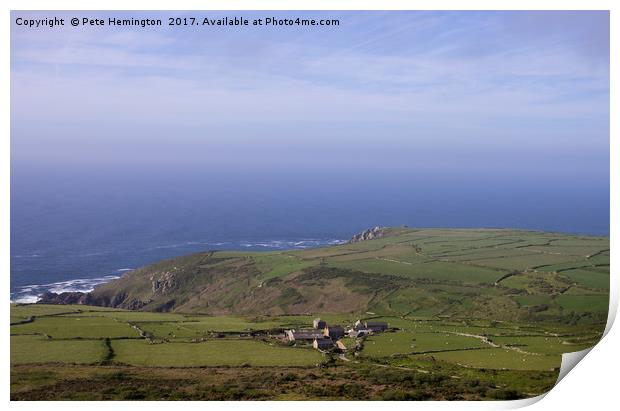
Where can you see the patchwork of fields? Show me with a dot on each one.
(477, 314)
(82, 334)
(46, 337)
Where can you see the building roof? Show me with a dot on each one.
(357, 333)
(307, 334)
(335, 328)
(324, 342)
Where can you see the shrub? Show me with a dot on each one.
(506, 395)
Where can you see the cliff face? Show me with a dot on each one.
(66, 298)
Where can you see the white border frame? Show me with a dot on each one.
(592, 384)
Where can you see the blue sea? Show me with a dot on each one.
(74, 229)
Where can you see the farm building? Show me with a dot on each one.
(359, 333)
(323, 343)
(334, 331)
(304, 335)
(371, 325)
(376, 325)
(319, 324)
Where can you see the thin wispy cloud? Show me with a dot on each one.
(412, 81)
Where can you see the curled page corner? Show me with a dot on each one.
(570, 360)
(526, 402)
(613, 306)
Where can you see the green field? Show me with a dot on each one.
(499, 358)
(59, 327)
(541, 345)
(588, 278)
(26, 349)
(583, 303)
(417, 342)
(432, 270)
(277, 265)
(195, 327)
(212, 353)
(129, 316)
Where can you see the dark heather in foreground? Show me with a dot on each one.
(396, 313)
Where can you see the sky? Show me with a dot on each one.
(502, 93)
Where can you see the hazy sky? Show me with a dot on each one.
(488, 91)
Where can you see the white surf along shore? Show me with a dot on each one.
(30, 293)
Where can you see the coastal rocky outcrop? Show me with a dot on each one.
(65, 298)
(370, 234)
(81, 298)
(164, 284)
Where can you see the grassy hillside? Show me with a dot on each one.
(504, 275)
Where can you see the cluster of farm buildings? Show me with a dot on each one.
(327, 337)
